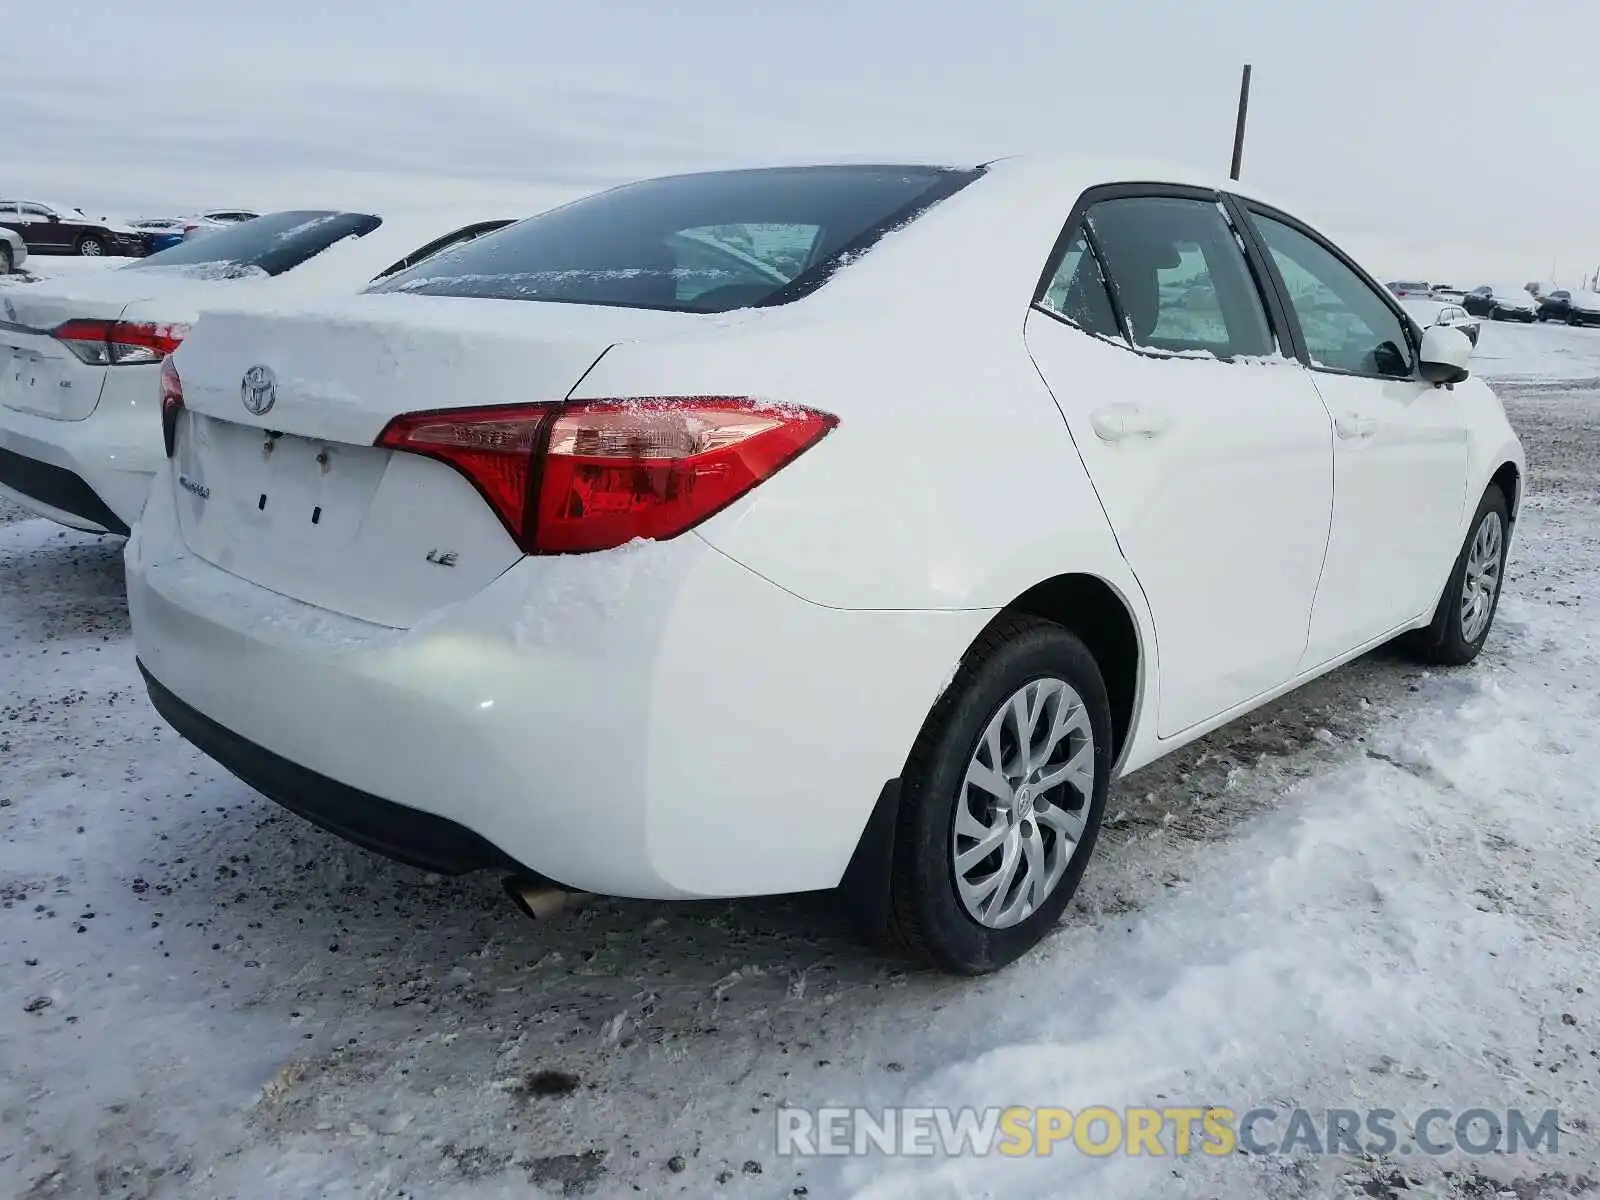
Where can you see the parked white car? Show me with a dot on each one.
(209, 222)
(80, 358)
(228, 216)
(1428, 313)
(632, 570)
(13, 251)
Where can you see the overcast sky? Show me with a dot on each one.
(1452, 138)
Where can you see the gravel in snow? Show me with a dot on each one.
(1377, 892)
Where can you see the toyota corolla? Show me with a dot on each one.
(781, 530)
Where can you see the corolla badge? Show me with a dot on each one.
(259, 390)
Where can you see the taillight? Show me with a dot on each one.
(171, 404)
(119, 343)
(571, 478)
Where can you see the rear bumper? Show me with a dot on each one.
(656, 722)
(56, 493)
(91, 474)
(407, 834)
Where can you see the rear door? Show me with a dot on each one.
(1400, 446)
(1210, 452)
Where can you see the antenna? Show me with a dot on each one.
(1238, 129)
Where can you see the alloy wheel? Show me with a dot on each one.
(1481, 584)
(1024, 803)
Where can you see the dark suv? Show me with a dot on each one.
(1556, 306)
(57, 229)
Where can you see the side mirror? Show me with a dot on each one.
(53, 219)
(1445, 352)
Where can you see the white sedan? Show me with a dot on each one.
(1427, 313)
(13, 251)
(593, 554)
(80, 358)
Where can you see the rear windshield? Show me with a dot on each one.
(268, 245)
(689, 243)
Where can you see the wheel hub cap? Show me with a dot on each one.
(1481, 583)
(1024, 803)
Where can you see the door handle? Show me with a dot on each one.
(1115, 422)
(1352, 427)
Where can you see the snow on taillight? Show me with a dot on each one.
(171, 404)
(119, 343)
(572, 478)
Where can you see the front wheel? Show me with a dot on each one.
(91, 246)
(6, 265)
(1001, 800)
(1466, 611)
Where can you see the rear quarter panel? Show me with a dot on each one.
(951, 481)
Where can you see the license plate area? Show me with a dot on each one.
(277, 489)
(26, 379)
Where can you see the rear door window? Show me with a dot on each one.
(268, 245)
(1077, 290)
(690, 243)
(1179, 277)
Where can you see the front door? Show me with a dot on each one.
(1210, 453)
(1400, 447)
(41, 231)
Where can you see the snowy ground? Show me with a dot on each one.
(59, 266)
(1378, 892)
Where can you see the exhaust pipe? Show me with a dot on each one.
(537, 900)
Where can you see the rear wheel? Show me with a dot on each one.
(91, 246)
(6, 265)
(1466, 611)
(1001, 800)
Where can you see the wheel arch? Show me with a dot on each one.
(1099, 614)
(1508, 478)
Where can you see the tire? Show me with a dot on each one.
(91, 246)
(6, 265)
(929, 919)
(1446, 641)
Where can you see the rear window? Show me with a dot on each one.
(689, 243)
(268, 245)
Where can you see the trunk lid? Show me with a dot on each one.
(38, 374)
(296, 498)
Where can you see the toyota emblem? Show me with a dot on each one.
(259, 391)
